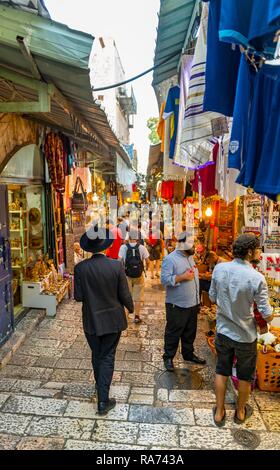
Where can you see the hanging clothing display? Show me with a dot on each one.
(179, 191)
(222, 65)
(197, 123)
(225, 178)
(186, 66)
(167, 190)
(171, 111)
(170, 169)
(206, 177)
(252, 23)
(256, 129)
(54, 153)
(161, 126)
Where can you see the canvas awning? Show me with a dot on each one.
(61, 56)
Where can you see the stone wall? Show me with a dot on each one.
(15, 132)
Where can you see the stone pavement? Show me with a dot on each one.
(46, 392)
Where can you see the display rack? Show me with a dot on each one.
(47, 293)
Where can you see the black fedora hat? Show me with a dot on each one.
(93, 243)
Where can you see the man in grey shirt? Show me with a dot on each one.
(234, 288)
(179, 275)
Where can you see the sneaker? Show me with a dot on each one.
(105, 406)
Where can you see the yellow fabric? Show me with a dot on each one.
(161, 126)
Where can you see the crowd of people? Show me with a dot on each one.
(113, 280)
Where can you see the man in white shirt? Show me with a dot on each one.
(134, 255)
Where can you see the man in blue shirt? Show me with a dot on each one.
(234, 288)
(179, 275)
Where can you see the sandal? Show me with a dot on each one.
(137, 320)
(221, 423)
(248, 412)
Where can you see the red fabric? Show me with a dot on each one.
(152, 240)
(113, 251)
(134, 188)
(167, 190)
(207, 177)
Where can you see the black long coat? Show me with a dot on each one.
(100, 283)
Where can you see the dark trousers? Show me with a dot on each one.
(103, 360)
(181, 324)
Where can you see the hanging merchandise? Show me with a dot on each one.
(186, 66)
(252, 23)
(195, 148)
(79, 199)
(222, 65)
(206, 175)
(161, 126)
(253, 211)
(226, 177)
(256, 129)
(167, 190)
(171, 171)
(171, 111)
(54, 153)
(199, 199)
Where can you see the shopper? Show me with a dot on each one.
(180, 277)
(154, 246)
(235, 286)
(113, 250)
(134, 255)
(100, 283)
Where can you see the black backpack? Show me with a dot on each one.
(134, 266)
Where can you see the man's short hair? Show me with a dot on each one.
(243, 244)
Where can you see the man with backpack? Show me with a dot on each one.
(134, 255)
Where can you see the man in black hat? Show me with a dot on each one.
(100, 283)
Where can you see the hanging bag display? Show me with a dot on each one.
(79, 199)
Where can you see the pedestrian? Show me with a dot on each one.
(235, 287)
(179, 275)
(100, 283)
(113, 250)
(134, 255)
(154, 246)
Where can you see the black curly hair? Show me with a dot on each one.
(243, 244)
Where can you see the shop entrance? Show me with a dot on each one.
(23, 178)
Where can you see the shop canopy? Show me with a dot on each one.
(176, 20)
(44, 76)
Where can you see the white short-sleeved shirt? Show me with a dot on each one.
(144, 254)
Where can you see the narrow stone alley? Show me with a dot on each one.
(47, 392)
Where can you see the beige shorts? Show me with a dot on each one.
(136, 287)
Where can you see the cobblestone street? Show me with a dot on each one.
(46, 392)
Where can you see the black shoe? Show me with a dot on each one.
(168, 364)
(195, 359)
(105, 406)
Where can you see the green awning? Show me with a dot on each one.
(174, 28)
(62, 56)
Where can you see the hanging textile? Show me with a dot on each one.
(161, 126)
(225, 177)
(256, 129)
(171, 111)
(197, 124)
(54, 153)
(179, 191)
(206, 175)
(222, 63)
(252, 23)
(167, 190)
(171, 171)
(185, 73)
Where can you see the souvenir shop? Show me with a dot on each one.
(219, 128)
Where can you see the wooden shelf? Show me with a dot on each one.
(17, 212)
